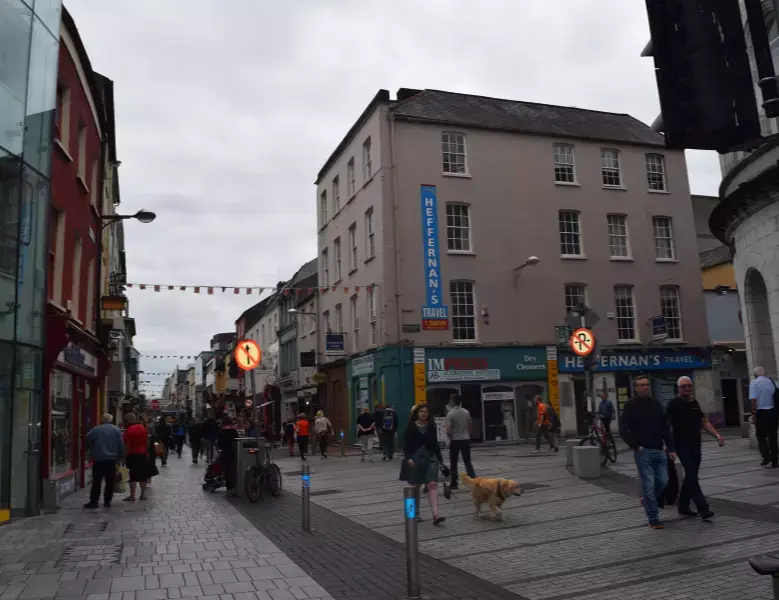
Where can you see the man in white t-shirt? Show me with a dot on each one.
(765, 416)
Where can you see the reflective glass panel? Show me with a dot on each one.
(10, 194)
(50, 12)
(62, 434)
(15, 23)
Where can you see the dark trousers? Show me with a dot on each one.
(195, 445)
(544, 429)
(103, 470)
(322, 439)
(303, 446)
(691, 487)
(387, 441)
(179, 444)
(766, 423)
(457, 447)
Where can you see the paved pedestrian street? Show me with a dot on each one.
(564, 538)
(567, 538)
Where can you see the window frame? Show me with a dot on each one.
(367, 160)
(449, 227)
(82, 152)
(351, 183)
(336, 194)
(338, 315)
(558, 165)
(454, 308)
(677, 297)
(326, 321)
(337, 266)
(663, 173)
(636, 336)
(628, 252)
(372, 315)
(352, 237)
(562, 233)
(325, 267)
(670, 238)
(370, 240)
(609, 170)
(566, 295)
(354, 308)
(323, 207)
(446, 147)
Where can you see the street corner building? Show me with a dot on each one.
(54, 131)
(457, 234)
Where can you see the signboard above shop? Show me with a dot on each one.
(435, 316)
(636, 360)
(444, 365)
(362, 366)
(334, 344)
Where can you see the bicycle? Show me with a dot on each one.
(599, 436)
(259, 475)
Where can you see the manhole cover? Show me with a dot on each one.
(526, 487)
(324, 492)
(86, 528)
(82, 557)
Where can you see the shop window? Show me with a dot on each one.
(500, 422)
(62, 434)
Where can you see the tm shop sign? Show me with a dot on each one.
(491, 364)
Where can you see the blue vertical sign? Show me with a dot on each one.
(434, 314)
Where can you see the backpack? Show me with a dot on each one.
(389, 420)
(554, 420)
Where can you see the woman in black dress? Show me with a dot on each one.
(422, 457)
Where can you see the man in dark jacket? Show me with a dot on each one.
(195, 437)
(387, 430)
(163, 434)
(687, 419)
(645, 429)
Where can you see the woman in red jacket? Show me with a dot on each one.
(136, 443)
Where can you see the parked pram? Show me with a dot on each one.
(215, 475)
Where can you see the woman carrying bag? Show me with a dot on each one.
(323, 429)
(422, 457)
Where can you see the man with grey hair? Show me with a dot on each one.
(762, 394)
(106, 445)
(687, 418)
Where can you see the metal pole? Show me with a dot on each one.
(342, 444)
(256, 406)
(411, 508)
(306, 482)
(588, 374)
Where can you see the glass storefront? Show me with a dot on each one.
(29, 53)
(62, 423)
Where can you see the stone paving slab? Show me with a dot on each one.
(575, 539)
(180, 543)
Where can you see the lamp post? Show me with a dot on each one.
(531, 261)
(143, 215)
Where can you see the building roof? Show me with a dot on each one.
(715, 256)
(304, 272)
(450, 108)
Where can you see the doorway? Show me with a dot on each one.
(758, 323)
(500, 418)
(730, 400)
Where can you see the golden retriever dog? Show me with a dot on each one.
(490, 491)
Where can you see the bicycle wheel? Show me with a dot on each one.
(273, 479)
(253, 484)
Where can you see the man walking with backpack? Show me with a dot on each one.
(545, 425)
(762, 394)
(389, 427)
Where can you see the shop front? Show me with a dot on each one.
(616, 369)
(71, 411)
(498, 386)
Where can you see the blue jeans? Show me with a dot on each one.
(653, 472)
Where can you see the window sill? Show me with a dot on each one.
(474, 341)
(82, 183)
(628, 342)
(573, 257)
(337, 282)
(352, 272)
(567, 184)
(621, 258)
(367, 181)
(666, 260)
(457, 175)
(369, 259)
(61, 147)
(321, 229)
(615, 188)
(460, 253)
(658, 191)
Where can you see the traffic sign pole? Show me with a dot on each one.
(588, 373)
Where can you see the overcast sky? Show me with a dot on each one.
(226, 110)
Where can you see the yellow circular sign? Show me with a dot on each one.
(247, 354)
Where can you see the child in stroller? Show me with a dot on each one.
(215, 475)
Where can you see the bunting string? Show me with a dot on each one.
(236, 290)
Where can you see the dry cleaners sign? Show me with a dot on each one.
(434, 314)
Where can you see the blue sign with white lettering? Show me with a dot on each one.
(651, 360)
(306, 481)
(411, 508)
(434, 314)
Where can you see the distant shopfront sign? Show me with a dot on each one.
(78, 359)
(445, 365)
(362, 366)
(656, 360)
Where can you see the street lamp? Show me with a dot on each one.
(531, 261)
(143, 215)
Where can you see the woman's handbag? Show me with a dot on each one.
(158, 449)
(120, 484)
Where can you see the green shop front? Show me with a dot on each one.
(497, 385)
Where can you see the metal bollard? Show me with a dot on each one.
(306, 482)
(411, 504)
(343, 452)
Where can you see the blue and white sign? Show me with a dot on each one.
(411, 508)
(334, 344)
(306, 480)
(654, 360)
(434, 314)
(659, 328)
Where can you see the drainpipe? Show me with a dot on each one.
(98, 291)
(396, 236)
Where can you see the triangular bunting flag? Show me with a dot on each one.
(129, 285)
(248, 291)
(183, 288)
(236, 290)
(323, 290)
(346, 291)
(334, 288)
(143, 286)
(210, 291)
(197, 290)
(171, 287)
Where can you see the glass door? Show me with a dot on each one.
(526, 407)
(500, 423)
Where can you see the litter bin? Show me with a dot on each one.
(243, 459)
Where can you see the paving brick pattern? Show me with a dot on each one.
(572, 539)
(181, 543)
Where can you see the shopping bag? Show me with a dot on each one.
(159, 450)
(122, 475)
